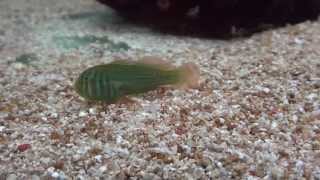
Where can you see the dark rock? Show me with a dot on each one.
(216, 17)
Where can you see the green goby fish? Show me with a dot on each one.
(110, 82)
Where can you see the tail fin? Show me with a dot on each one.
(190, 76)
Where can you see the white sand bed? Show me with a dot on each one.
(256, 115)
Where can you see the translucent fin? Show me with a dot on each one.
(156, 62)
(190, 76)
(122, 61)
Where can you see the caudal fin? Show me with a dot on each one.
(190, 76)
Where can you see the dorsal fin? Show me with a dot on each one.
(157, 62)
(122, 61)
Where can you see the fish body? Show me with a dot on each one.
(110, 82)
